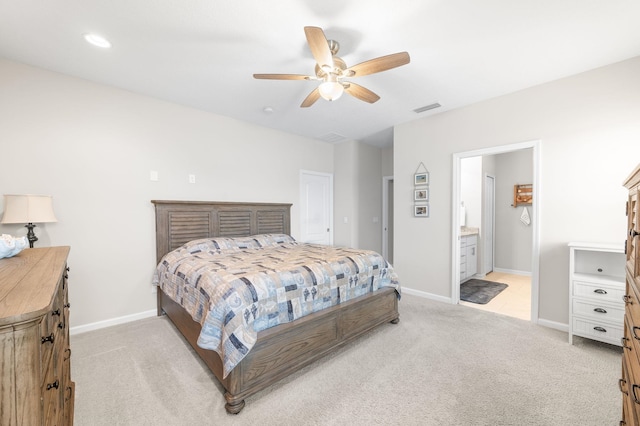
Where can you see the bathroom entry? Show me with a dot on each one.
(506, 247)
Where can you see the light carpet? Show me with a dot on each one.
(441, 365)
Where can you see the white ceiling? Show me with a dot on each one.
(202, 53)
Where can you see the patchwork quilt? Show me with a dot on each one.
(236, 287)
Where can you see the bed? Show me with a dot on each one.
(277, 351)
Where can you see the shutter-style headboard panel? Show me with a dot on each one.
(178, 222)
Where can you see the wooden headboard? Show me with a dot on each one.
(178, 222)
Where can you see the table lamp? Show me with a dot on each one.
(29, 209)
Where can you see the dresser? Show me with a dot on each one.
(596, 290)
(629, 382)
(35, 374)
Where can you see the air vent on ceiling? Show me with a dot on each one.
(426, 108)
(332, 137)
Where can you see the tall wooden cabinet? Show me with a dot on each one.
(630, 380)
(35, 357)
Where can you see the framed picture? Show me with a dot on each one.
(421, 179)
(421, 211)
(421, 194)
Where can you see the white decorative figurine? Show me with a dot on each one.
(10, 246)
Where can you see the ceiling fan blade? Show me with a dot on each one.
(311, 98)
(361, 93)
(281, 76)
(380, 64)
(319, 46)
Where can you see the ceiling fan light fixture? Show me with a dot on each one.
(331, 89)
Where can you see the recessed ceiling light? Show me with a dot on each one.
(97, 40)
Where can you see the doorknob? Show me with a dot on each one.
(327, 229)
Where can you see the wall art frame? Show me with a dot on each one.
(421, 194)
(421, 210)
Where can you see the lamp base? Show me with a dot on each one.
(31, 236)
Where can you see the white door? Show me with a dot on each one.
(489, 222)
(316, 207)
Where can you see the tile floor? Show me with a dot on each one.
(513, 301)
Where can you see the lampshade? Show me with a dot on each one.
(28, 209)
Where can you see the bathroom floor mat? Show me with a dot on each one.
(480, 291)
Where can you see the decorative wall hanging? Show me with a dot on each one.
(421, 194)
(421, 211)
(421, 191)
(421, 178)
(522, 195)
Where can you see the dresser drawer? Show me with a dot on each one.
(631, 368)
(596, 330)
(597, 311)
(628, 404)
(632, 308)
(50, 328)
(600, 292)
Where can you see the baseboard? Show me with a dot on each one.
(512, 271)
(541, 322)
(426, 295)
(111, 322)
(552, 324)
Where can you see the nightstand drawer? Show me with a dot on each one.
(600, 292)
(596, 330)
(596, 311)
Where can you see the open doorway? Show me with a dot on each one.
(507, 248)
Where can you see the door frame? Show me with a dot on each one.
(487, 220)
(385, 215)
(535, 145)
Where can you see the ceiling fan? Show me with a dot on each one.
(332, 71)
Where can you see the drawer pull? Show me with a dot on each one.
(600, 291)
(623, 341)
(627, 299)
(53, 385)
(633, 332)
(633, 393)
(601, 329)
(67, 305)
(600, 310)
(620, 382)
(49, 338)
(61, 325)
(633, 233)
(55, 313)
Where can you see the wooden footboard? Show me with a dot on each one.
(285, 349)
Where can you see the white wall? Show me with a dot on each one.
(471, 185)
(513, 239)
(358, 195)
(345, 185)
(590, 141)
(387, 161)
(92, 147)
